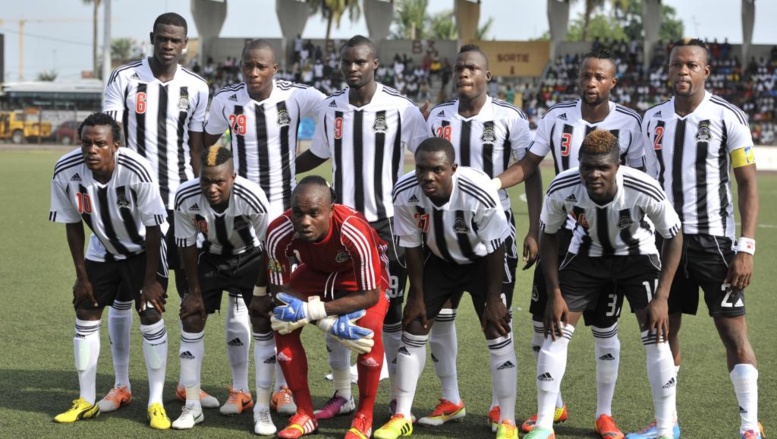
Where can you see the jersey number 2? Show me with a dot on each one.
(444, 132)
(238, 123)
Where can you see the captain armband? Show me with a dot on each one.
(742, 157)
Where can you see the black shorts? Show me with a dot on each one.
(174, 261)
(122, 280)
(444, 280)
(235, 274)
(583, 278)
(705, 261)
(396, 255)
(608, 307)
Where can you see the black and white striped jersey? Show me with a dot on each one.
(471, 225)
(264, 134)
(624, 226)
(367, 145)
(694, 160)
(117, 212)
(241, 227)
(562, 130)
(157, 117)
(485, 141)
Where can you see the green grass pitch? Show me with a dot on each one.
(38, 380)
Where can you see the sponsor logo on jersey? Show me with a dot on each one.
(413, 199)
(341, 257)
(460, 227)
(571, 198)
(194, 208)
(333, 104)
(625, 222)
(135, 76)
(703, 134)
(183, 103)
(75, 177)
(657, 114)
(562, 116)
(283, 118)
(233, 97)
(489, 135)
(380, 125)
(441, 113)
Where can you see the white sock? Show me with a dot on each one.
(340, 363)
(551, 366)
(280, 380)
(411, 358)
(238, 332)
(608, 353)
(119, 326)
(663, 382)
(392, 336)
(745, 380)
(504, 374)
(191, 352)
(86, 350)
(155, 351)
(536, 344)
(264, 360)
(444, 346)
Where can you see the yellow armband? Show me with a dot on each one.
(742, 157)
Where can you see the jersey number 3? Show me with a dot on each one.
(566, 142)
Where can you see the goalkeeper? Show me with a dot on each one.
(327, 267)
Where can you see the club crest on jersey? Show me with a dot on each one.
(380, 125)
(183, 103)
(489, 135)
(460, 227)
(625, 222)
(274, 266)
(341, 257)
(703, 134)
(283, 118)
(121, 198)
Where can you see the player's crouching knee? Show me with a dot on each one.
(149, 316)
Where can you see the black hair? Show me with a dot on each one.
(102, 119)
(315, 180)
(689, 41)
(599, 53)
(360, 40)
(173, 19)
(215, 155)
(436, 144)
(474, 48)
(258, 44)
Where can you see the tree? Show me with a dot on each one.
(124, 49)
(622, 21)
(333, 10)
(590, 7)
(410, 19)
(411, 14)
(95, 15)
(47, 75)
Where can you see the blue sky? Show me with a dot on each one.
(58, 33)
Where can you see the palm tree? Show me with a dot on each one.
(333, 10)
(410, 19)
(95, 12)
(590, 7)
